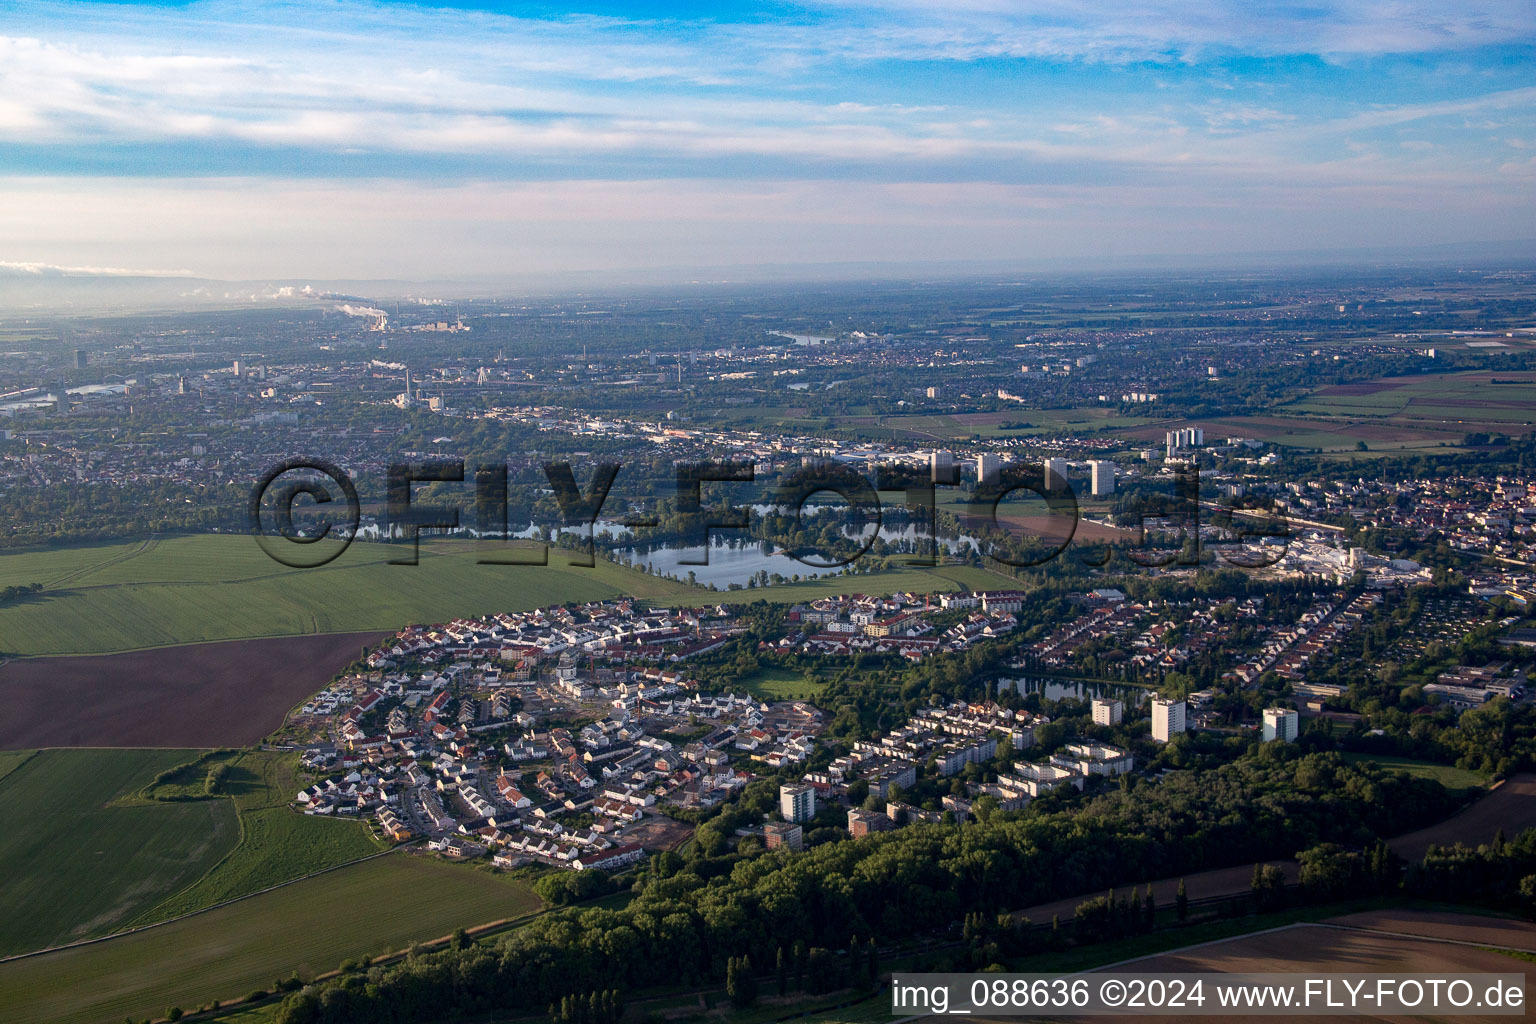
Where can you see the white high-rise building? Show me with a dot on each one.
(1167, 719)
(1055, 473)
(238, 368)
(941, 466)
(1184, 437)
(797, 803)
(1103, 477)
(1107, 711)
(987, 468)
(934, 392)
(1281, 724)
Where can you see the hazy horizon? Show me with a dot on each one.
(393, 141)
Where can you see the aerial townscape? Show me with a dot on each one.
(1225, 616)
(819, 513)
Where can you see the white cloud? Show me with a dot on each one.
(1141, 117)
(53, 269)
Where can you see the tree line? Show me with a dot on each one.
(691, 918)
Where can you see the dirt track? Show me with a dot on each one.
(197, 695)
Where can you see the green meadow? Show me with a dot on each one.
(98, 854)
(83, 856)
(203, 588)
(219, 587)
(311, 927)
(276, 843)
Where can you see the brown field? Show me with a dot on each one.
(200, 695)
(1434, 924)
(659, 834)
(1425, 943)
(1371, 387)
(1511, 807)
(1037, 522)
(1318, 949)
(1302, 431)
(1046, 529)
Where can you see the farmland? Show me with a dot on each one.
(1511, 808)
(1300, 431)
(1319, 947)
(911, 578)
(1460, 402)
(100, 856)
(276, 844)
(90, 857)
(311, 926)
(10, 760)
(1009, 423)
(199, 695)
(197, 589)
(1022, 514)
(1389, 414)
(219, 587)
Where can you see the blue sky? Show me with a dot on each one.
(379, 139)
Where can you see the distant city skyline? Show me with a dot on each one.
(383, 140)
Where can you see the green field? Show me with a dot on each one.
(1080, 420)
(886, 581)
(1457, 402)
(10, 760)
(782, 684)
(96, 856)
(277, 844)
(262, 1013)
(82, 857)
(193, 589)
(200, 588)
(362, 910)
(1447, 775)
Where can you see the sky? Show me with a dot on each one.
(347, 139)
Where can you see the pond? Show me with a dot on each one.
(1053, 688)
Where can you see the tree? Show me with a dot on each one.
(1331, 871)
(782, 972)
(740, 985)
(1181, 902)
(1268, 887)
(1527, 890)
